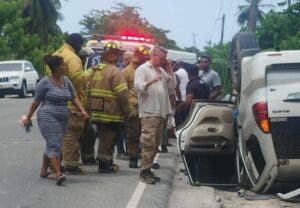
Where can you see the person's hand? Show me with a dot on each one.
(26, 121)
(158, 77)
(85, 115)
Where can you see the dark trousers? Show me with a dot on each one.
(87, 142)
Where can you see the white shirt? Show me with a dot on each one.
(153, 101)
(184, 79)
(211, 77)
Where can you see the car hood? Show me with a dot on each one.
(10, 73)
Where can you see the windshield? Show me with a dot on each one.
(10, 67)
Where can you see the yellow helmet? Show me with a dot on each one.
(142, 52)
(111, 47)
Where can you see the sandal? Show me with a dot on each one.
(52, 176)
(45, 175)
(60, 179)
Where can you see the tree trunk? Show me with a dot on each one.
(252, 16)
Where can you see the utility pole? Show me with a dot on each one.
(194, 42)
(252, 16)
(222, 32)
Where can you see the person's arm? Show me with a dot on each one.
(76, 102)
(177, 89)
(187, 103)
(216, 91)
(140, 82)
(35, 104)
(217, 87)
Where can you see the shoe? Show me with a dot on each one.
(155, 177)
(146, 177)
(73, 170)
(122, 156)
(90, 161)
(155, 166)
(164, 149)
(133, 163)
(60, 179)
(105, 167)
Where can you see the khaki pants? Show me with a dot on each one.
(150, 138)
(71, 145)
(108, 133)
(133, 136)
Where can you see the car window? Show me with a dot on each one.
(28, 67)
(10, 67)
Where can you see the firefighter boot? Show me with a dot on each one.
(146, 176)
(107, 167)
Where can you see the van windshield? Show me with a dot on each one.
(10, 67)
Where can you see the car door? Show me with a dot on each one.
(207, 142)
(29, 76)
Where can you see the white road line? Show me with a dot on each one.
(137, 194)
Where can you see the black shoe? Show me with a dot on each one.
(90, 161)
(155, 177)
(155, 166)
(164, 149)
(105, 167)
(133, 163)
(146, 176)
(73, 170)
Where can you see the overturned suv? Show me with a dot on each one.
(253, 140)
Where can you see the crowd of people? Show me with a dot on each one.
(126, 104)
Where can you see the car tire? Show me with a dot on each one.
(241, 41)
(23, 90)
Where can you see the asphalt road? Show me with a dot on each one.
(21, 187)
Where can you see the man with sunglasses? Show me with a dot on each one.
(152, 83)
(210, 76)
(140, 56)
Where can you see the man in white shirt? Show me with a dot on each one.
(210, 76)
(152, 84)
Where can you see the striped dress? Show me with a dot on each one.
(53, 113)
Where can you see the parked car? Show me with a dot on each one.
(254, 140)
(17, 77)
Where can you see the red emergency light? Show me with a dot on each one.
(131, 36)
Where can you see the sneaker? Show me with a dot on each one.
(73, 170)
(133, 163)
(155, 166)
(122, 156)
(146, 177)
(155, 177)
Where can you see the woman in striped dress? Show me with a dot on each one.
(52, 94)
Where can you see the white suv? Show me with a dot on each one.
(17, 77)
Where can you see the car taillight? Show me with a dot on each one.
(260, 112)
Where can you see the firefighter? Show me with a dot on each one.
(88, 136)
(140, 56)
(109, 104)
(69, 52)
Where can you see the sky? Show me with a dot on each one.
(185, 19)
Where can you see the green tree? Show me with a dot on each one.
(251, 13)
(280, 30)
(15, 40)
(123, 18)
(44, 15)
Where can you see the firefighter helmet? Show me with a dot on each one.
(111, 47)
